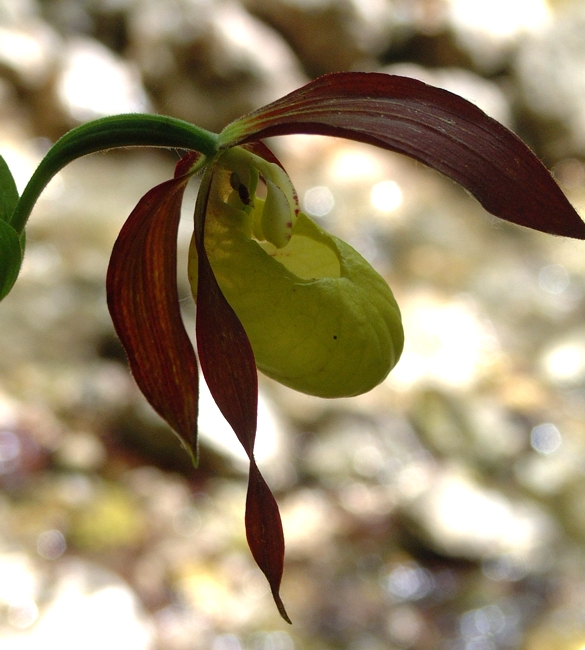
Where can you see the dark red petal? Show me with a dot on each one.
(260, 149)
(225, 353)
(229, 368)
(434, 126)
(264, 533)
(144, 304)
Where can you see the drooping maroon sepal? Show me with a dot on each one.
(143, 301)
(228, 365)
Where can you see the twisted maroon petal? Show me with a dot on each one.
(229, 368)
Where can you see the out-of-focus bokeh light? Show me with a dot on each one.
(407, 582)
(28, 50)
(23, 615)
(51, 544)
(77, 617)
(554, 278)
(226, 642)
(447, 342)
(354, 164)
(319, 201)
(506, 567)
(490, 627)
(476, 521)
(277, 640)
(95, 83)
(10, 449)
(386, 196)
(405, 624)
(500, 18)
(564, 362)
(545, 438)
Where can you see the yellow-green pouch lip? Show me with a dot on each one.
(323, 322)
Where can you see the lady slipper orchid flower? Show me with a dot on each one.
(274, 291)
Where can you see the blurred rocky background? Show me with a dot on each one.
(443, 510)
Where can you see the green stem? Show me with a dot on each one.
(130, 130)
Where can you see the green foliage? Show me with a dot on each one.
(11, 244)
(8, 192)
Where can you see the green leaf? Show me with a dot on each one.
(431, 125)
(11, 244)
(8, 192)
(11, 253)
